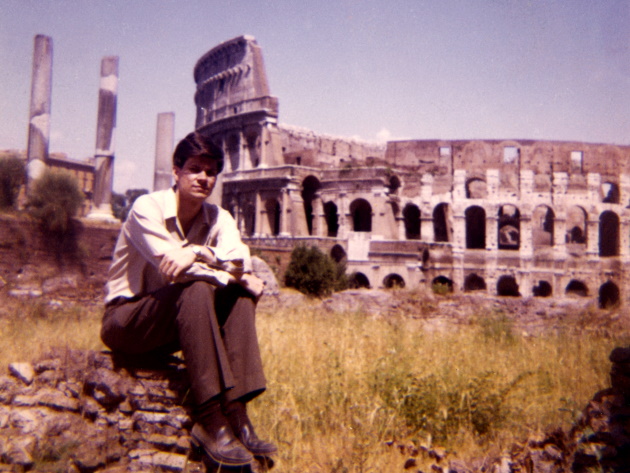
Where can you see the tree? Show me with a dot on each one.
(12, 173)
(121, 204)
(54, 200)
(314, 273)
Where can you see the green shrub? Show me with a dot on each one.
(121, 203)
(12, 174)
(313, 272)
(54, 200)
(441, 408)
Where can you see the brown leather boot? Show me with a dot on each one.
(213, 434)
(236, 412)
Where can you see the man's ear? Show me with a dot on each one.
(176, 172)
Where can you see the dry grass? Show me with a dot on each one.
(341, 385)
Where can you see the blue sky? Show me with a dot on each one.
(401, 69)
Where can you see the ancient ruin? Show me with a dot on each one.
(506, 217)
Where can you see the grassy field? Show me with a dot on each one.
(342, 386)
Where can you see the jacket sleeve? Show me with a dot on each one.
(146, 228)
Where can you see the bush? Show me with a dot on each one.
(54, 200)
(12, 173)
(314, 273)
(121, 203)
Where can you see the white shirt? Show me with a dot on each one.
(152, 229)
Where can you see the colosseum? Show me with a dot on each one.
(506, 217)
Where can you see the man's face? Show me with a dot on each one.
(197, 178)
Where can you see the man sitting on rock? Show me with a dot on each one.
(181, 279)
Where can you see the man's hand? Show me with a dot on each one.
(253, 284)
(175, 262)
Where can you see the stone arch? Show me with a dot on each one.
(543, 226)
(608, 295)
(608, 234)
(253, 149)
(440, 223)
(474, 282)
(507, 286)
(610, 193)
(249, 219)
(233, 152)
(509, 227)
(358, 280)
(576, 287)
(475, 227)
(332, 218)
(411, 214)
(337, 253)
(393, 280)
(476, 189)
(393, 185)
(273, 209)
(361, 212)
(310, 187)
(576, 225)
(542, 289)
(442, 284)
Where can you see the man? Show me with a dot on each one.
(180, 279)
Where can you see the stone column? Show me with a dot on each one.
(105, 132)
(164, 144)
(39, 112)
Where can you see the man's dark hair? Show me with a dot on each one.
(195, 144)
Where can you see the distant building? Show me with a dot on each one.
(82, 170)
(504, 217)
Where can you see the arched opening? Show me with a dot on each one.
(576, 225)
(393, 281)
(249, 219)
(576, 288)
(393, 185)
(608, 295)
(473, 282)
(233, 146)
(411, 214)
(310, 186)
(542, 289)
(442, 285)
(361, 212)
(610, 193)
(608, 234)
(507, 286)
(476, 189)
(542, 223)
(337, 253)
(253, 148)
(332, 218)
(358, 280)
(509, 227)
(440, 223)
(272, 207)
(475, 227)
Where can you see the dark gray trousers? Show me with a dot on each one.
(213, 326)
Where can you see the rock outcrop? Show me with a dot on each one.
(91, 412)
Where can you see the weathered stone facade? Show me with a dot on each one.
(509, 217)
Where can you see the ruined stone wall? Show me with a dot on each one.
(30, 264)
(303, 147)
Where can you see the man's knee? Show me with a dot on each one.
(199, 290)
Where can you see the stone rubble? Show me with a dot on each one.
(86, 412)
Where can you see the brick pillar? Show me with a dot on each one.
(105, 132)
(164, 144)
(39, 112)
